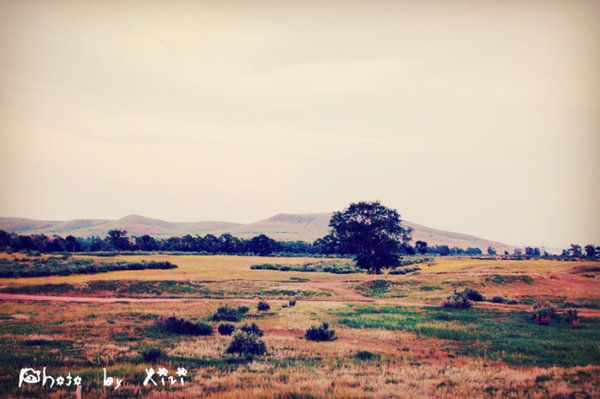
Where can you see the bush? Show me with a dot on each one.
(571, 316)
(226, 313)
(263, 306)
(366, 355)
(246, 344)
(181, 326)
(226, 329)
(543, 313)
(292, 302)
(512, 302)
(322, 333)
(405, 270)
(252, 329)
(153, 355)
(473, 295)
(498, 299)
(457, 301)
(243, 309)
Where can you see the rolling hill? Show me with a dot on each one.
(287, 227)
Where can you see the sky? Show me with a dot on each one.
(478, 117)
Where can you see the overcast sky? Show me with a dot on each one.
(476, 117)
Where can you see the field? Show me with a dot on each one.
(393, 338)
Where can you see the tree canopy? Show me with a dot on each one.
(371, 232)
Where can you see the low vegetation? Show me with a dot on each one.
(509, 279)
(246, 344)
(177, 325)
(252, 329)
(226, 329)
(263, 306)
(513, 337)
(64, 266)
(382, 289)
(320, 333)
(152, 355)
(458, 300)
(335, 267)
(228, 313)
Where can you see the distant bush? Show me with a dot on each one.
(571, 316)
(512, 302)
(263, 306)
(320, 333)
(153, 354)
(252, 329)
(292, 302)
(226, 313)
(498, 299)
(226, 329)
(543, 313)
(366, 355)
(473, 295)
(415, 261)
(457, 301)
(405, 270)
(243, 309)
(182, 326)
(246, 344)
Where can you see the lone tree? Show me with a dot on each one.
(370, 231)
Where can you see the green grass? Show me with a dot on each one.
(64, 266)
(335, 267)
(381, 289)
(562, 302)
(512, 337)
(429, 288)
(508, 279)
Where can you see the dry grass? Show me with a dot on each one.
(84, 337)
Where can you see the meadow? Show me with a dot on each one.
(392, 337)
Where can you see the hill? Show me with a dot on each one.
(287, 227)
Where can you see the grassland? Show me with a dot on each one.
(393, 338)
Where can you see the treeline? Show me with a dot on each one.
(119, 241)
(262, 245)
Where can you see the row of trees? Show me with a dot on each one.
(118, 240)
(369, 231)
(577, 251)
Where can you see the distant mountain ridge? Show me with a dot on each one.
(286, 227)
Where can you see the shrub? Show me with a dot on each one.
(457, 301)
(473, 295)
(405, 270)
(153, 354)
(246, 344)
(366, 355)
(512, 302)
(543, 313)
(263, 306)
(321, 333)
(243, 309)
(252, 329)
(292, 302)
(182, 326)
(226, 329)
(226, 313)
(571, 316)
(498, 299)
